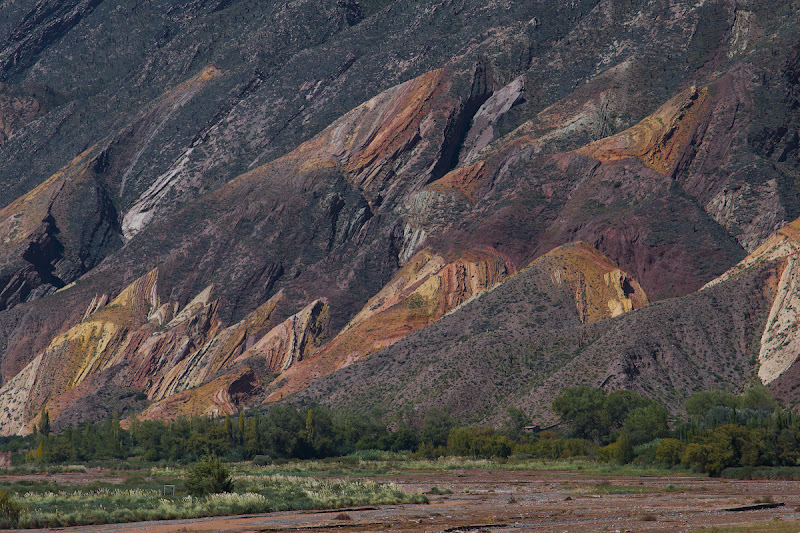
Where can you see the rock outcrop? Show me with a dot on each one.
(248, 200)
(601, 289)
(779, 343)
(660, 140)
(426, 289)
(163, 350)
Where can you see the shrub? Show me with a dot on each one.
(478, 442)
(209, 476)
(669, 451)
(620, 451)
(262, 460)
(9, 509)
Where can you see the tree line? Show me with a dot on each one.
(718, 430)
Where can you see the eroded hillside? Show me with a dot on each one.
(393, 204)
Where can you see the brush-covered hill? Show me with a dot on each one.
(211, 205)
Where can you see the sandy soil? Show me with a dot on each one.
(506, 501)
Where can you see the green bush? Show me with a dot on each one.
(669, 451)
(209, 476)
(262, 460)
(620, 451)
(9, 509)
(478, 442)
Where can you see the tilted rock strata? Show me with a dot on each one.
(780, 342)
(43, 248)
(666, 140)
(660, 139)
(601, 289)
(784, 243)
(291, 341)
(425, 290)
(162, 351)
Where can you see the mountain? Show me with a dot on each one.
(216, 205)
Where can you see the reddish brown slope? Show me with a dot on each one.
(425, 290)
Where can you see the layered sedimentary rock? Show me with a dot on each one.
(162, 350)
(426, 289)
(778, 347)
(661, 139)
(501, 344)
(320, 184)
(291, 341)
(601, 289)
(784, 243)
(780, 342)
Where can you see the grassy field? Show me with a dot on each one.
(385, 463)
(141, 497)
(130, 491)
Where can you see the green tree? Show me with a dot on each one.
(44, 423)
(695, 456)
(310, 425)
(669, 451)
(228, 427)
(404, 438)
(517, 419)
(209, 476)
(458, 441)
(624, 452)
(644, 424)
(758, 398)
(732, 445)
(240, 433)
(701, 402)
(583, 408)
(787, 447)
(9, 509)
(436, 427)
(620, 403)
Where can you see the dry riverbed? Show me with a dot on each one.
(506, 501)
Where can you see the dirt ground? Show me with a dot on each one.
(506, 501)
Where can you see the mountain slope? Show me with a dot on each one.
(308, 189)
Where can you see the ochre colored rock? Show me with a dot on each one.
(425, 289)
(464, 180)
(601, 289)
(659, 140)
(364, 143)
(782, 244)
(211, 399)
(293, 340)
(155, 348)
(780, 343)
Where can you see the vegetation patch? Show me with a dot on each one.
(254, 494)
(606, 487)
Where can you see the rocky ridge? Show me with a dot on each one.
(380, 187)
